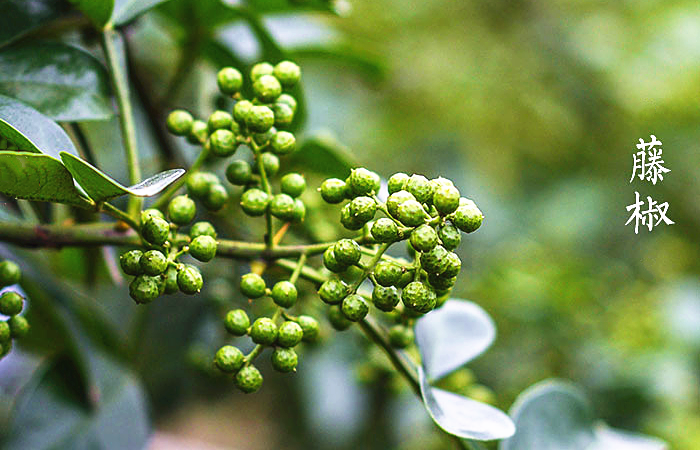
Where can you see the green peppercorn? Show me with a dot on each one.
(400, 336)
(354, 307)
(338, 319)
(229, 80)
(385, 298)
(385, 230)
(363, 181)
(5, 333)
(155, 230)
(263, 331)
(284, 359)
(435, 260)
(289, 334)
(202, 229)
(203, 248)
(405, 278)
(284, 115)
(411, 213)
(189, 279)
(249, 379)
(441, 282)
(130, 262)
(309, 326)
(363, 208)
(260, 69)
(239, 173)
(333, 190)
(287, 73)
(282, 207)
(331, 262)
(179, 122)
(283, 143)
(271, 164)
(420, 187)
(424, 238)
(467, 217)
(241, 111)
(229, 359)
(262, 139)
(396, 199)
(223, 143)
(181, 210)
(450, 236)
(284, 294)
(219, 120)
(199, 182)
(198, 132)
(349, 221)
(347, 252)
(9, 273)
(216, 197)
(267, 88)
(418, 297)
(144, 288)
(293, 184)
(299, 211)
(333, 291)
(445, 199)
(153, 262)
(387, 273)
(452, 265)
(237, 322)
(260, 118)
(397, 182)
(151, 212)
(171, 286)
(254, 202)
(288, 100)
(252, 285)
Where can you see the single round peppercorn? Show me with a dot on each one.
(9, 273)
(271, 164)
(284, 359)
(450, 236)
(405, 278)
(441, 282)
(284, 115)
(282, 207)
(446, 199)
(338, 319)
(299, 211)
(223, 143)
(241, 111)
(229, 80)
(199, 182)
(263, 331)
(289, 334)
(19, 327)
(239, 172)
(144, 289)
(260, 69)
(400, 336)
(397, 182)
(171, 286)
(254, 202)
(263, 139)
(424, 238)
(202, 229)
(216, 197)
(284, 294)
(219, 120)
(309, 326)
(396, 199)
(387, 273)
(252, 285)
(130, 262)
(181, 210)
(189, 279)
(331, 262)
(237, 322)
(287, 73)
(153, 262)
(418, 297)
(452, 266)
(198, 132)
(203, 248)
(260, 118)
(287, 100)
(267, 88)
(5, 333)
(293, 184)
(354, 307)
(435, 260)
(347, 252)
(363, 181)
(179, 122)
(363, 208)
(248, 379)
(420, 187)
(151, 212)
(467, 217)
(411, 213)
(155, 230)
(385, 298)
(385, 230)
(333, 291)
(348, 220)
(333, 190)
(229, 359)
(283, 143)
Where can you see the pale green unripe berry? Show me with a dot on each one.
(287, 73)
(267, 88)
(179, 122)
(229, 80)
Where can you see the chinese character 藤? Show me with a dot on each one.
(651, 217)
(648, 164)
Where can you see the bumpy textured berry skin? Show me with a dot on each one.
(229, 359)
(445, 199)
(450, 236)
(404, 279)
(260, 118)
(467, 217)
(189, 280)
(293, 184)
(223, 143)
(354, 307)
(229, 80)
(198, 183)
(441, 282)
(333, 291)
(411, 213)
(435, 260)
(287, 73)
(202, 229)
(363, 208)
(9, 273)
(385, 230)
(396, 199)
(153, 262)
(385, 298)
(237, 322)
(263, 138)
(241, 111)
(179, 122)
(248, 379)
(282, 207)
(363, 181)
(151, 212)
(337, 318)
(333, 190)
(452, 266)
(19, 327)
(418, 297)
(144, 289)
(347, 252)
(420, 187)
(284, 115)
(216, 197)
(288, 100)
(309, 326)
(284, 294)
(263, 331)
(331, 262)
(254, 202)
(203, 248)
(198, 132)
(5, 333)
(284, 359)
(283, 143)
(267, 88)
(239, 173)
(260, 69)
(130, 262)
(387, 273)
(171, 286)
(289, 334)
(181, 210)
(348, 220)
(252, 285)
(11, 303)
(299, 212)
(400, 336)
(397, 182)
(424, 238)
(155, 230)
(219, 120)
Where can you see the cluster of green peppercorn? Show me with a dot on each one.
(11, 304)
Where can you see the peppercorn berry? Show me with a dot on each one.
(229, 359)
(267, 88)
(223, 143)
(9, 273)
(203, 248)
(347, 252)
(283, 114)
(400, 336)
(153, 262)
(262, 139)
(19, 327)
(284, 294)
(181, 210)
(283, 143)
(130, 262)
(385, 298)
(363, 208)
(198, 183)
(387, 273)
(271, 164)
(284, 359)
(420, 187)
(237, 322)
(229, 80)
(198, 132)
(385, 230)
(241, 111)
(179, 122)
(338, 319)
(411, 213)
(293, 184)
(11, 303)
(189, 279)
(202, 229)
(418, 297)
(219, 120)
(289, 334)
(397, 182)
(309, 326)
(333, 291)
(155, 230)
(349, 221)
(252, 285)
(216, 197)
(395, 199)
(171, 286)
(435, 260)
(254, 202)
(441, 282)
(354, 307)
(333, 190)
(331, 262)
(450, 236)
(282, 207)
(424, 238)
(363, 181)
(239, 173)
(299, 211)
(467, 217)
(248, 379)
(446, 199)
(263, 331)
(288, 100)
(287, 73)
(260, 118)
(144, 288)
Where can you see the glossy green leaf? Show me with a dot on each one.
(99, 11)
(39, 177)
(453, 335)
(126, 10)
(324, 154)
(99, 186)
(62, 82)
(22, 16)
(555, 415)
(462, 416)
(30, 130)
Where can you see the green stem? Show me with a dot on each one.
(268, 190)
(297, 270)
(167, 195)
(120, 84)
(370, 266)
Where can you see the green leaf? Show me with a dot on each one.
(99, 186)
(453, 335)
(126, 10)
(51, 411)
(462, 416)
(324, 154)
(62, 82)
(555, 415)
(30, 130)
(99, 11)
(40, 177)
(22, 16)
